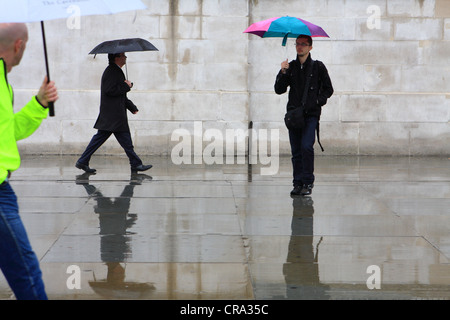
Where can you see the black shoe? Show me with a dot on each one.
(296, 191)
(141, 167)
(307, 189)
(85, 168)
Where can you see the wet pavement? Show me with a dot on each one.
(374, 228)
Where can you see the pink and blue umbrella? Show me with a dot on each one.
(285, 27)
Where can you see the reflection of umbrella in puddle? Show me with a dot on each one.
(115, 219)
(114, 287)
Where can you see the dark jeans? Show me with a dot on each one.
(18, 261)
(302, 149)
(124, 139)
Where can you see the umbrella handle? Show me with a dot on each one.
(51, 109)
(50, 104)
(286, 52)
(285, 39)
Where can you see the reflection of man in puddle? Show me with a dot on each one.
(113, 217)
(114, 220)
(301, 270)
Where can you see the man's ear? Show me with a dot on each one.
(18, 45)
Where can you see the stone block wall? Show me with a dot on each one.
(388, 59)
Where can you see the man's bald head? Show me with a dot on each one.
(10, 32)
(13, 39)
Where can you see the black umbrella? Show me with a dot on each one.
(123, 45)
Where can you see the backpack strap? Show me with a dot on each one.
(318, 136)
(309, 75)
(305, 96)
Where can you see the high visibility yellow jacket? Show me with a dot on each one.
(15, 126)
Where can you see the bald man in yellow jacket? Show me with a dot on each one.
(18, 261)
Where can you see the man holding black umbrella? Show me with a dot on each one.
(18, 261)
(113, 115)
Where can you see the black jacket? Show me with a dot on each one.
(113, 101)
(320, 88)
